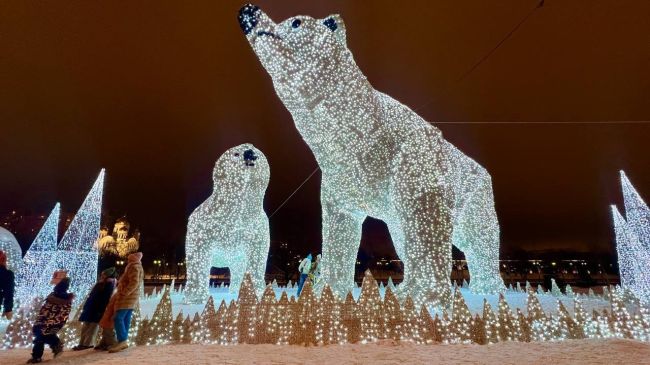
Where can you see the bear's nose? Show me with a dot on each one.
(248, 17)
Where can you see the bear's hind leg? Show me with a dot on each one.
(476, 233)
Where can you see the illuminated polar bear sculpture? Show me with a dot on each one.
(378, 158)
(230, 229)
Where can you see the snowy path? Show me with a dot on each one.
(387, 352)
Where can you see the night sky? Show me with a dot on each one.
(156, 91)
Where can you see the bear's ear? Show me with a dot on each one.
(335, 24)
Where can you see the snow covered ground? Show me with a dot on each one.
(590, 352)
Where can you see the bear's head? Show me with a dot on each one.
(302, 54)
(244, 168)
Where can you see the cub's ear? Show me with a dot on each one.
(335, 24)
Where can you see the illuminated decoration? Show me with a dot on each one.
(33, 279)
(160, 325)
(633, 242)
(378, 158)
(555, 290)
(230, 228)
(637, 213)
(11, 248)
(19, 331)
(461, 318)
(490, 322)
(328, 320)
(369, 309)
(76, 252)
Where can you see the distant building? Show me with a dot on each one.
(119, 243)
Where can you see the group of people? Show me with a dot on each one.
(105, 307)
(308, 270)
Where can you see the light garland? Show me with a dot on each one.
(378, 158)
(633, 242)
(9, 245)
(76, 252)
(230, 228)
(33, 279)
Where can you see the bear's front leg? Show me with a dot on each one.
(341, 240)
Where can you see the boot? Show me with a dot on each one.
(57, 350)
(118, 347)
(34, 360)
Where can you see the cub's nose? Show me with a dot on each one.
(249, 157)
(248, 17)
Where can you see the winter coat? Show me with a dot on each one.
(109, 313)
(54, 312)
(305, 266)
(98, 298)
(128, 288)
(7, 285)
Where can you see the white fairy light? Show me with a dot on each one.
(76, 253)
(633, 242)
(33, 279)
(378, 158)
(230, 228)
(9, 245)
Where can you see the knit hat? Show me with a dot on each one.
(110, 272)
(62, 286)
(3, 258)
(58, 276)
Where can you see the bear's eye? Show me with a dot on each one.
(236, 154)
(296, 23)
(331, 24)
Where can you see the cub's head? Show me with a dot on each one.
(243, 167)
(298, 52)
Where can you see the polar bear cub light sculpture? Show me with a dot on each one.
(378, 158)
(230, 228)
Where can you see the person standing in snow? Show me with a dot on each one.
(7, 285)
(94, 308)
(314, 272)
(303, 268)
(126, 300)
(108, 327)
(51, 318)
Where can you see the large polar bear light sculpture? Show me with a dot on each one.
(378, 158)
(230, 228)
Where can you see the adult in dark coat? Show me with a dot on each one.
(94, 308)
(51, 318)
(7, 285)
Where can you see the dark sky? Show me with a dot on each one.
(156, 91)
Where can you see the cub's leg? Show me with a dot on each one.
(341, 240)
(199, 258)
(257, 252)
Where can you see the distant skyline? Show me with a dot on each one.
(156, 93)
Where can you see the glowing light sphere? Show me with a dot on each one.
(378, 158)
(76, 252)
(11, 248)
(230, 228)
(33, 279)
